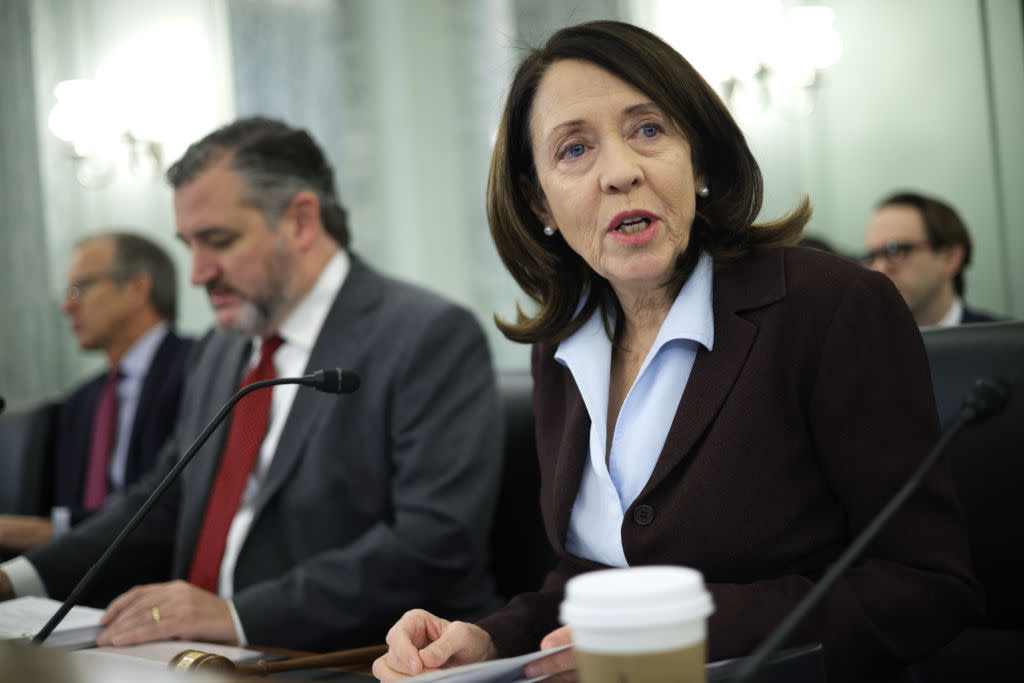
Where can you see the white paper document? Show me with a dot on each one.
(21, 619)
(508, 670)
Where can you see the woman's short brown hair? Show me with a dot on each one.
(547, 269)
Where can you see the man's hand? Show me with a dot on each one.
(162, 611)
(420, 642)
(19, 533)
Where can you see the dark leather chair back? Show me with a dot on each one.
(987, 461)
(520, 551)
(987, 458)
(26, 460)
(958, 356)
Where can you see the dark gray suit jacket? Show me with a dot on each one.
(376, 502)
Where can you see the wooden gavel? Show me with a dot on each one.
(196, 660)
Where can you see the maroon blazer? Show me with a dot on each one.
(811, 411)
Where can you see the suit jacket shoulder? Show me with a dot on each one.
(391, 299)
(971, 315)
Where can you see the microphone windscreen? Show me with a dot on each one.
(989, 397)
(336, 381)
(349, 381)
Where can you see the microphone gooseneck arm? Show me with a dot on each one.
(988, 398)
(337, 381)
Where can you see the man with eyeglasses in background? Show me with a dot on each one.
(122, 300)
(922, 245)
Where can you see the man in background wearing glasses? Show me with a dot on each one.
(923, 246)
(122, 300)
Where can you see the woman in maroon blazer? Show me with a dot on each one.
(704, 394)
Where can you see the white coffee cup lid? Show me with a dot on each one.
(636, 596)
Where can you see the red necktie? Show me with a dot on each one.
(104, 431)
(245, 436)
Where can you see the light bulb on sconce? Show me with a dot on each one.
(798, 48)
(810, 43)
(86, 118)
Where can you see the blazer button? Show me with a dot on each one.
(643, 515)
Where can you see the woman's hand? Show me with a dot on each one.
(561, 666)
(421, 642)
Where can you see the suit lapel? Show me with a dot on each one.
(338, 342)
(151, 385)
(750, 283)
(224, 371)
(744, 285)
(713, 375)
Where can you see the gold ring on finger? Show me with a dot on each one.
(156, 614)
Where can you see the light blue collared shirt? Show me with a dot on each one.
(606, 491)
(133, 367)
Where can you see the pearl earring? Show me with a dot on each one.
(548, 230)
(704, 191)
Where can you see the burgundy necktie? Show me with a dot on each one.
(245, 436)
(104, 431)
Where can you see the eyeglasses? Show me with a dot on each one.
(893, 253)
(77, 289)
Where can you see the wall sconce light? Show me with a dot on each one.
(763, 54)
(86, 117)
(802, 46)
(809, 43)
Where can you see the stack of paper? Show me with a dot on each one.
(21, 619)
(509, 670)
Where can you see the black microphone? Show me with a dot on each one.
(333, 381)
(989, 397)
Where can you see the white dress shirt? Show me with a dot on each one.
(954, 316)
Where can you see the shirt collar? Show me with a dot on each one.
(690, 318)
(953, 316)
(303, 324)
(136, 360)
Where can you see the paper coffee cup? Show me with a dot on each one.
(638, 624)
